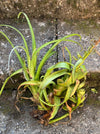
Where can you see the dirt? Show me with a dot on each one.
(62, 9)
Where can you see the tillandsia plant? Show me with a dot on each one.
(60, 89)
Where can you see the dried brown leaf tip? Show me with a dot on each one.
(96, 43)
(69, 109)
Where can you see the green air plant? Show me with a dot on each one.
(62, 88)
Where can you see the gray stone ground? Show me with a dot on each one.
(85, 120)
(89, 32)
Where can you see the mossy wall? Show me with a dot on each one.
(62, 9)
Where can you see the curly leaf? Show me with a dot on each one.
(51, 77)
(32, 83)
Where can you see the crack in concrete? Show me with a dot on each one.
(56, 36)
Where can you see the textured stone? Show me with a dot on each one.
(62, 9)
(88, 34)
(86, 121)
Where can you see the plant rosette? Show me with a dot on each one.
(58, 90)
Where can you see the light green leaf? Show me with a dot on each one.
(31, 30)
(25, 43)
(76, 66)
(79, 74)
(75, 87)
(15, 73)
(93, 90)
(59, 118)
(55, 108)
(81, 85)
(69, 92)
(11, 54)
(70, 35)
(73, 99)
(51, 77)
(70, 58)
(25, 72)
(32, 66)
(65, 65)
(31, 83)
(45, 96)
(19, 57)
(80, 97)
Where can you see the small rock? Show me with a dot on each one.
(41, 24)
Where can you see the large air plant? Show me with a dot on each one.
(60, 89)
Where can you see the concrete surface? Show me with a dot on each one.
(85, 120)
(90, 32)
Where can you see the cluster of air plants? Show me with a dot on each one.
(60, 88)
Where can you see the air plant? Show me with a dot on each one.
(56, 89)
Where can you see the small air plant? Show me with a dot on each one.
(60, 89)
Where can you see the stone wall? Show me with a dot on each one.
(62, 9)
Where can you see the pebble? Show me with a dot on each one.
(41, 24)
